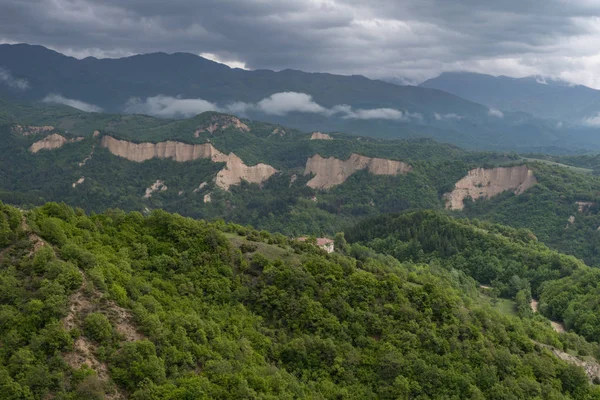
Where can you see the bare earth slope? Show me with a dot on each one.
(320, 136)
(333, 171)
(232, 174)
(486, 183)
(51, 142)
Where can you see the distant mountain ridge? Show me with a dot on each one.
(542, 97)
(161, 83)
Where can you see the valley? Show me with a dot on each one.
(174, 228)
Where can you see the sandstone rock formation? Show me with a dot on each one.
(207, 198)
(279, 131)
(222, 122)
(583, 206)
(51, 142)
(320, 136)
(31, 130)
(200, 187)
(235, 171)
(486, 183)
(332, 171)
(79, 182)
(155, 187)
(232, 174)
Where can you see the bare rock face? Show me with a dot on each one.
(583, 206)
(320, 136)
(52, 142)
(486, 183)
(140, 152)
(78, 182)
(222, 122)
(232, 174)
(235, 171)
(332, 171)
(31, 130)
(155, 187)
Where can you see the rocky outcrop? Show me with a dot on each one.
(221, 123)
(78, 182)
(235, 171)
(279, 132)
(486, 183)
(51, 142)
(320, 136)
(583, 206)
(200, 187)
(591, 367)
(158, 186)
(140, 152)
(332, 171)
(27, 130)
(232, 174)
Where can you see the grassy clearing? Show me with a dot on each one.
(572, 168)
(505, 306)
(270, 251)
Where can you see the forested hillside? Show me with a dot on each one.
(274, 189)
(165, 307)
(511, 261)
(162, 84)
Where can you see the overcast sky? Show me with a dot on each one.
(413, 39)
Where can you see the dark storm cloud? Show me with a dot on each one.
(414, 39)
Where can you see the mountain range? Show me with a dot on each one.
(182, 85)
(542, 97)
(162, 220)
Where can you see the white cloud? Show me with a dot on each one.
(376, 113)
(440, 117)
(9, 80)
(279, 104)
(229, 63)
(169, 107)
(495, 113)
(287, 102)
(593, 120)
(78, 104)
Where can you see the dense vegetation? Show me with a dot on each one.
(512, 261)
(279, 205)
(547, 208)
(165, 307)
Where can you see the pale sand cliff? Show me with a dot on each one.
(320, 136)
(27, 130)
(221, 123)
(486, 183)
(232, 174)
(51, 142)
(333, 171)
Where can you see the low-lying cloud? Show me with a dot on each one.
(495, 113)
(286, 102)
(346, 112)
(445, 117)
(78, 104)
(593, 120)
(169, 107)
(10, 81)
(278, 104)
